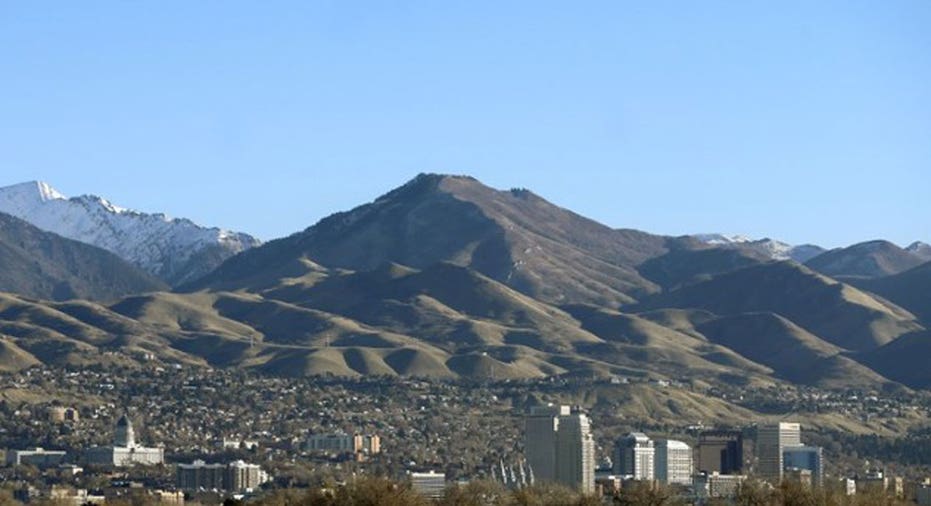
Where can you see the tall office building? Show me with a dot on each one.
(540, 427)
(634, 456)
(720, 451)
(673, 462)
(559, 447)
(808, 458)
(575, 452)
(771, 442)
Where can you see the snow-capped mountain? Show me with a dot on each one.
(174, 249)
(921, 249)
(777, 250)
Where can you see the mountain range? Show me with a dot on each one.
(173, 250)
(446, 277)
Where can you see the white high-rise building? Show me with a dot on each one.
(634, 456)
(575, 452)
(559, 447)
(771, 442)
(673, 462)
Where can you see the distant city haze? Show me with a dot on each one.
(806, 122)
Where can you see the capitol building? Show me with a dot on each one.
(124, 452)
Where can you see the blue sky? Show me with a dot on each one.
(804, 121)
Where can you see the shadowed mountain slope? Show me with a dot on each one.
(904, 360)
(41, 264)
(910, 289)
(793, 353)
(835, 312)
(689, 266)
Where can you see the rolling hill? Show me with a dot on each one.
(871, 259)
(447, 278)
(837, 313)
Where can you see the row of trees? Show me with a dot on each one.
(382, 492)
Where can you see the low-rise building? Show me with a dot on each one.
(923, 493)
(124, 452)
(430, 485)
(38, 457)
(344, 443)
(236, 476)
(877, 480)
(717, 485)
(64, 496)
(848, 486)
(61, 414)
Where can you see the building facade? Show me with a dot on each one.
(344, 443)
(923, 495)
(124, 452)
(540, 427)
(771, 441)
(805, 458)
(38, 457)
(720, 451)
(236, 476)
(634, 457)
(61, 414)
(559, 447)
(673, 462)
(431, 485)
(717, 485)
(575, 453)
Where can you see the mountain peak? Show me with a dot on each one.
(869, 259)
(31, 191)
(513, 237)
(176, 250)
(922, 249)
(777, 250)
(47, 192)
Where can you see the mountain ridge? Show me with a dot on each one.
(175, 250)
(512, 236)
(445, 277)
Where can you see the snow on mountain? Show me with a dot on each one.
(921, 249)
(777, 250)
(176, 250)
(720, 239)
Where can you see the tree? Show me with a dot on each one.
(646, 494)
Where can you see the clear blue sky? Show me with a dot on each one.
(805, 121)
